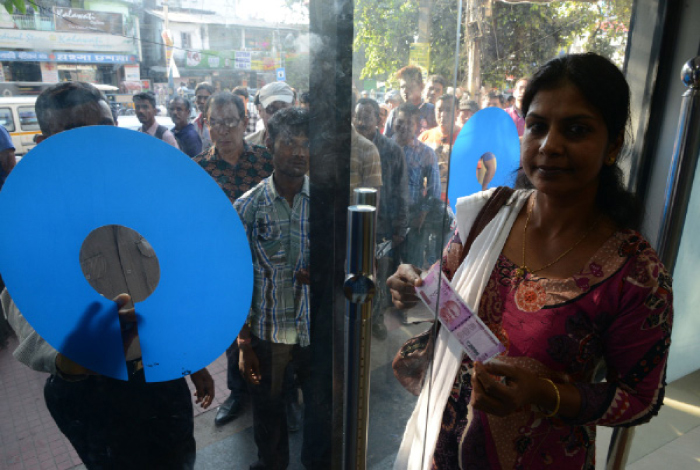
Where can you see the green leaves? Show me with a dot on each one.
(21, 5)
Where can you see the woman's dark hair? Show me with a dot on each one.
(223, 98)
(604, 87)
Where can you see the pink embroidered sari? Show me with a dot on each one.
(618, 309)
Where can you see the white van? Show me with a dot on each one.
(18, 117)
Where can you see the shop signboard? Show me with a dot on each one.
(132, 73)
(55, 40)
(243, 60)
(75, 19)
(236, 60)
(49, 72)
(420, 55)
(76, 57)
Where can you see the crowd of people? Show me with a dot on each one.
(557, 320)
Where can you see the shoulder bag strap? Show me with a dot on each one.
(498, 199)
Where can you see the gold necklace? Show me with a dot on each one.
(522, 271)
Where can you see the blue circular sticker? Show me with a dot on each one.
(86, 178)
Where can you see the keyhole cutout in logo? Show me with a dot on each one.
(116, 260)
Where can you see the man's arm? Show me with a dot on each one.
(388, 131)
(400, 193)
(33, 350)
(169, 138)
(490, 166)
(433, 174)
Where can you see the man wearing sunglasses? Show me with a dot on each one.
(271, 98)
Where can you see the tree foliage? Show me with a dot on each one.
(20, 5)
(384, 31)
(516, 38)
(522, 37)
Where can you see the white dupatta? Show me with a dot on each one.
(423, 427)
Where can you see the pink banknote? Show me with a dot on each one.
(477, 339)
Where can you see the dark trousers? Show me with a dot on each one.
(234, 379)
(267, 398)
(118, 425)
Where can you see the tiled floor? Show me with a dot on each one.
(29, 438)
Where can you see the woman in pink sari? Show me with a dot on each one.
(562, 278)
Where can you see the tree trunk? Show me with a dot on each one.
(474, 27)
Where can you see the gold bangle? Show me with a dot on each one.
(556, 390)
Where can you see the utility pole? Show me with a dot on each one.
(474, 28)
(168, 40)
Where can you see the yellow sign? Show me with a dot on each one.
(420, 55)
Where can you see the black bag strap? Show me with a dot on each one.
(160, 131)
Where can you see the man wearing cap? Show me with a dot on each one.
(467, 108)
(7, 155)
(272, 97)
(393, 100)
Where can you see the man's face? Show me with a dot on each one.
(464, 115)
(383, 115)
(226, 127)
(88, 114)
(290, 155)
(410, 91)
(179, 113)
(145, 112)
(519, 92)
(405, 128)
(200, 99)
(443, 115)
(366, 121)
(433, 91)
(271, 109)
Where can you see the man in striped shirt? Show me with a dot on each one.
(275, 214)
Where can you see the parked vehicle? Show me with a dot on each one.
(18, 117)
(132, 122)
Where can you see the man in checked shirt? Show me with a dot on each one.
(275, 214)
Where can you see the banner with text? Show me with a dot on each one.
(75, 19)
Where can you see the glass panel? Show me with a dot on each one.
(6, 119)
(27, 118)
(498, 44)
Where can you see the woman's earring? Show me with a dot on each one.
(611, 160)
